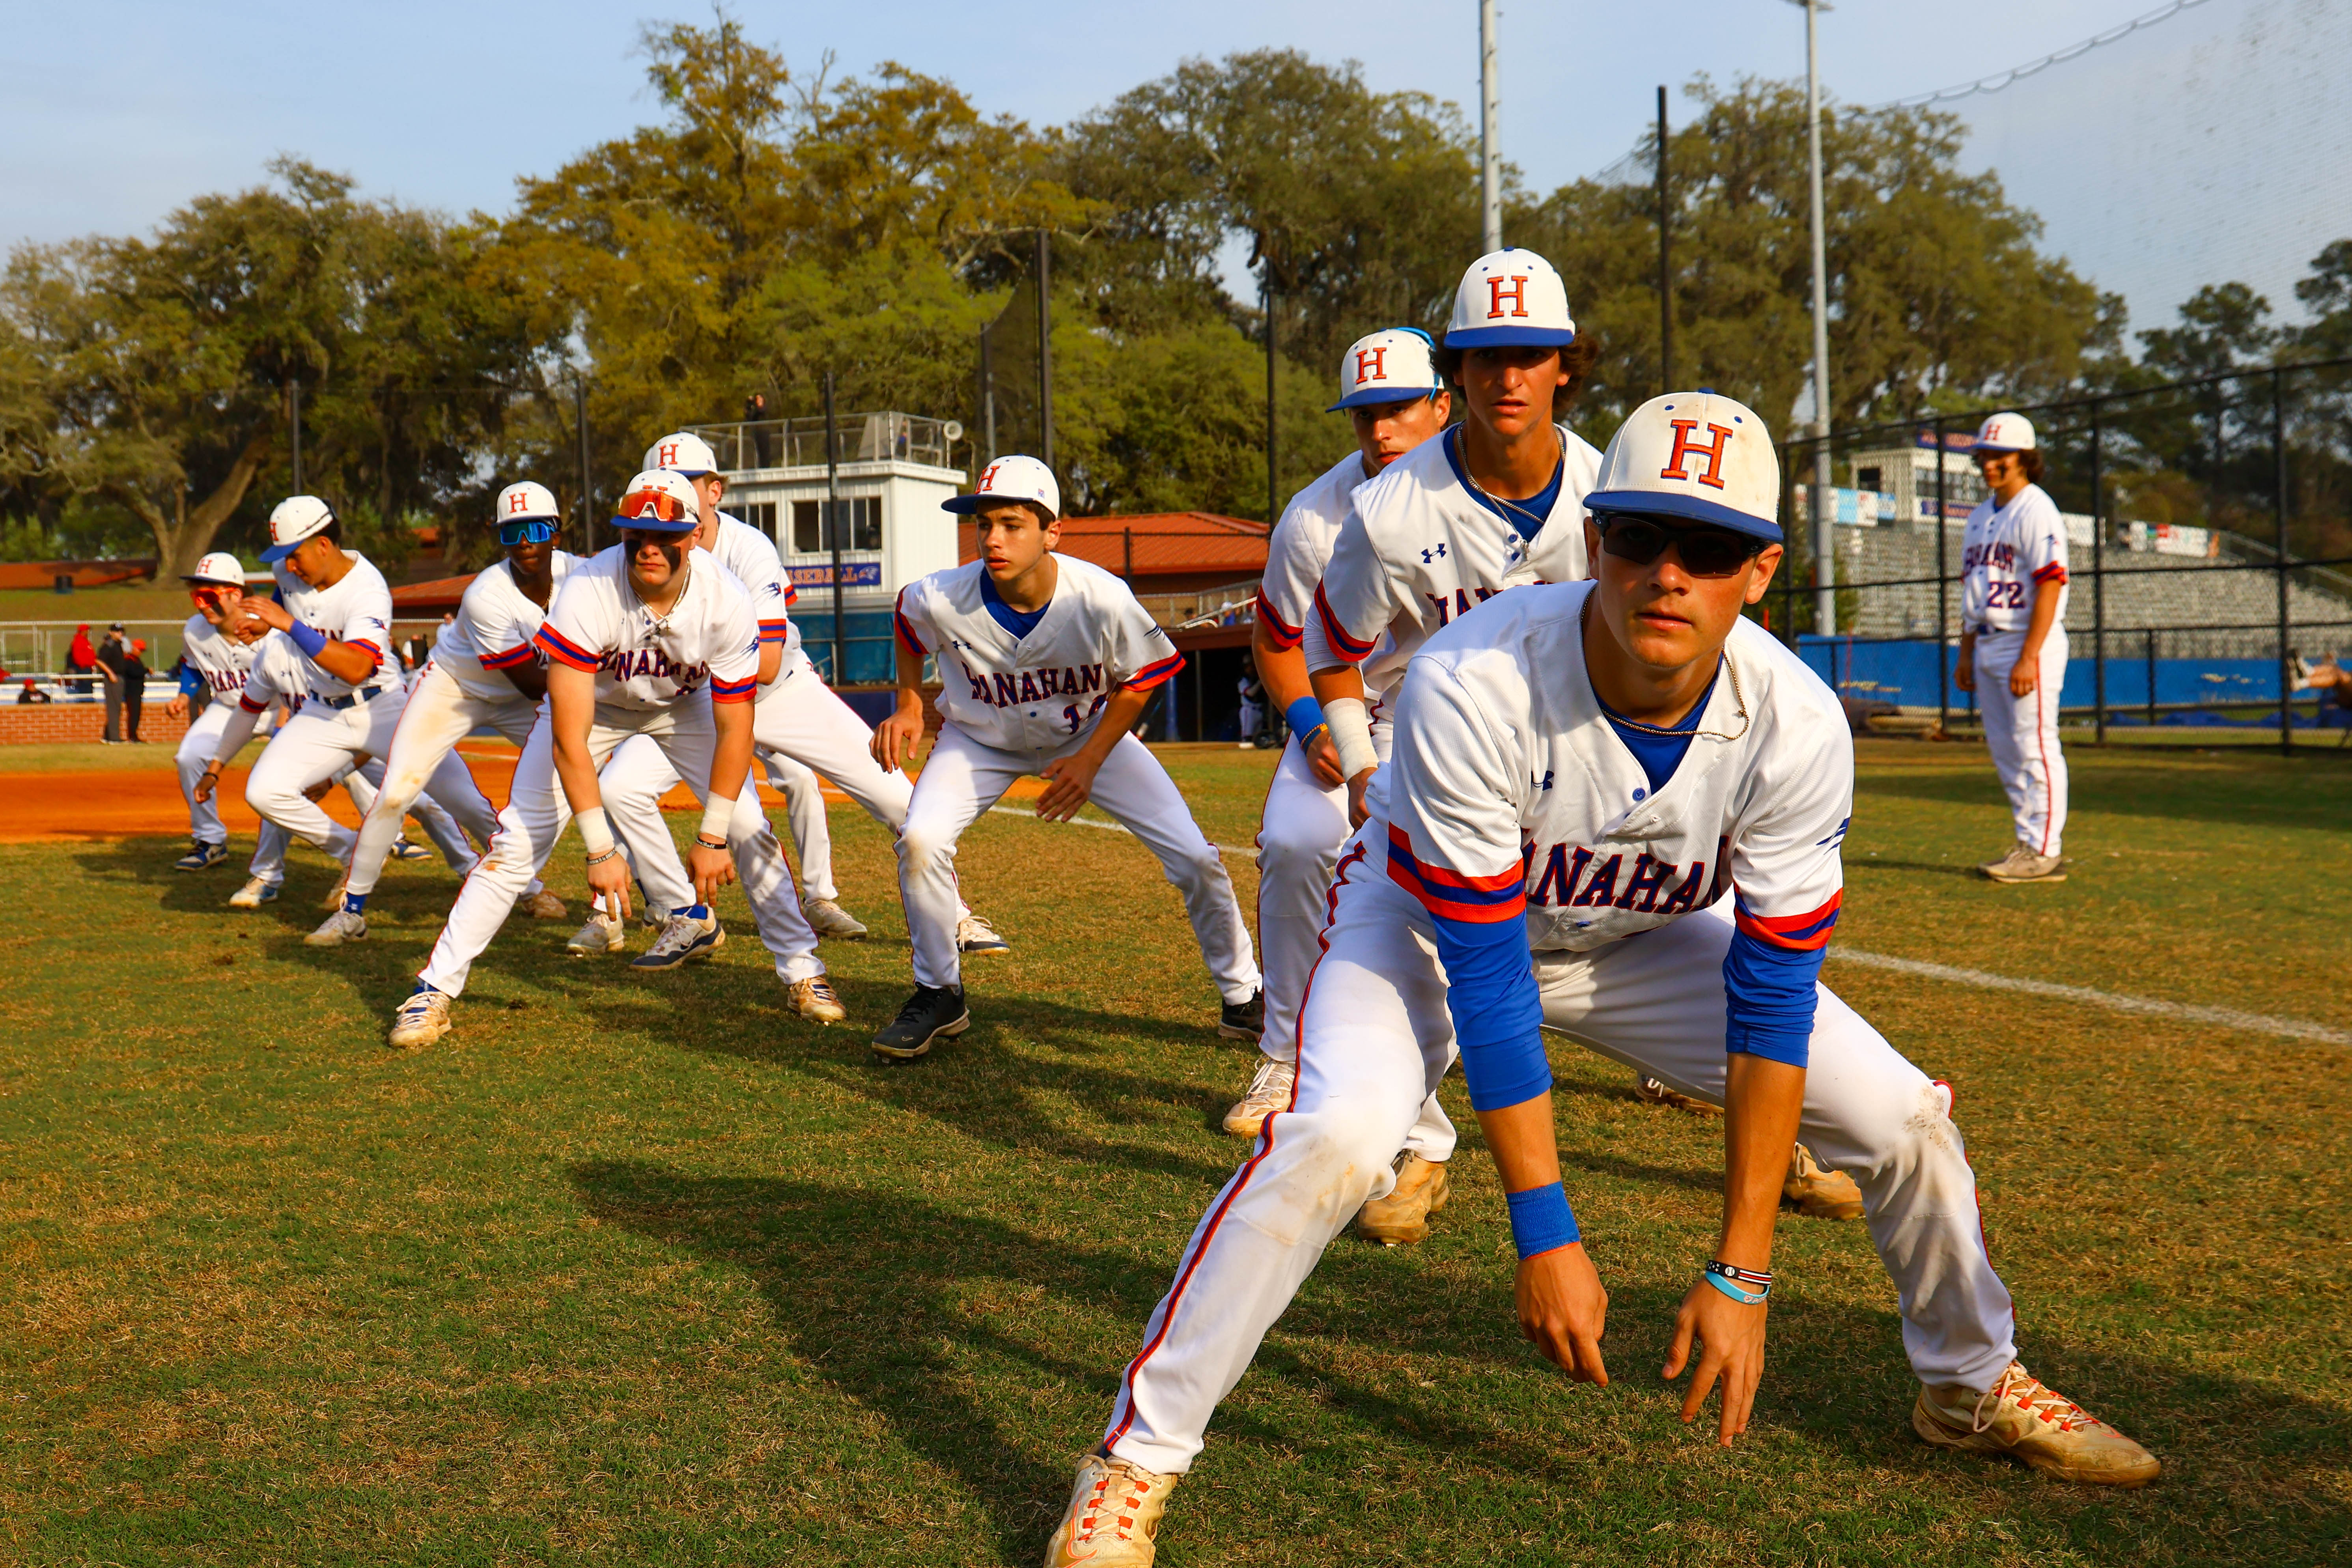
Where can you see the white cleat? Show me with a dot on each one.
(422, 1019)
(682, 937)
(974, 938)
(2023, 1417)
(603, 933)
(342, 926)
(402, 850)
(814, 999)
(1112, 1520)
(254, 894)
(828, 918)
(1270, 1091)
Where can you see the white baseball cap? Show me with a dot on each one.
(526, 498)
(655, 493)
(2005, 433)
(1510, 298)
(1011, 480)
(296, 519)
(219, 567)
(683, 452)
(1388, 367)
(1695, 457)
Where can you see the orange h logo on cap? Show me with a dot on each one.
(1686, 449)
(1371, 364)
(1516, 287)
(517, 501)
(667, 455)
(988, 478)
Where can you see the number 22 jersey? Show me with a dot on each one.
(2005, 553)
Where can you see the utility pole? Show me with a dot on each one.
(1273, 484)
(1045, 352)
(587, 508)
(1490, 130)
(1824, 500)
(1666, 261)
(832, 522)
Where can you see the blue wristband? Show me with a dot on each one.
(309, 639)
(1304, 717)
(1541, 1220)
(1715, 1275)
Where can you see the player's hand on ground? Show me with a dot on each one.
(1730, 1343)
(2021, 679)
(1563, 1310)
(1356, 788)
(610, 878)
(1323, 761)
(1069, 782)
(895, 739)
(710, 868)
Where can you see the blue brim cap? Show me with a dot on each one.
(277, 552)
(655, 525)
(1371, 394)
(1509, 337)
(1684, 508)
(1988, 447)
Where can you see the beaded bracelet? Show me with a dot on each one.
(598, 859)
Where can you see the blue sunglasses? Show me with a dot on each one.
(526, 531)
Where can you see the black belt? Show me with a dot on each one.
(351, 700)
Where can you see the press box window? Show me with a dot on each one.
(862, 516)
(759, 514)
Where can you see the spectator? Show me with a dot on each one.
(763, 440)
(1252, 691)
(30, 694)
(134, 691)
(81, 659)
(112, 656)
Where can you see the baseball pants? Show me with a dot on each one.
(537, 813)
(196, 748)
(269, 854)
(421, 761)
(364, 784)
(964, 778)
(315, 744)
(1375, 1040)
(1299, 834)
(2022, 734)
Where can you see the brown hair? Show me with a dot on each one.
(1576, 359)
(2029, 461)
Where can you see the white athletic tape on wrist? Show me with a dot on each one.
(595, 831)
(716, 814)
(1350, 724)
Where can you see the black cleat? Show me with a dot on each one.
(1244, 1020)
(933, 1012)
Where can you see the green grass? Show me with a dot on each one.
(635, 1268)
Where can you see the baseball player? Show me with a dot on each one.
(1497, 502)
(1045, 662)
(484, 672)
(1578, 772)
(648, 638)
(1395, 400)
(2013, 642)
(220, 662)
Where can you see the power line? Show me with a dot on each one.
(2009, 77)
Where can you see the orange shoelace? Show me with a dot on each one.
(1091, 1521)
(2037, 1400)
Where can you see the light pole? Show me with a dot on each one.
(1490, 130)
(1824, 500)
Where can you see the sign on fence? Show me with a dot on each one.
(854, 575)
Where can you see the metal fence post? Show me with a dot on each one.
(587, 504)
(2098, 592)
(2279, 505)
(2151, 678)
(832, 527)
(1943, 588)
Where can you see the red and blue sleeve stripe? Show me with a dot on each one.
(777, 630)
(520, 654)
(2052, 573)
(1795, 933)
(732, 690)
(1278, 632)
(908, 638)
(1355, 650)
(791, 593)
(375, 654)
(249, 705)
(1450, 895)
(1152, 674)
(564, 650)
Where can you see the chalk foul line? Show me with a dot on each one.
(1032, 815)
(2222, 1017)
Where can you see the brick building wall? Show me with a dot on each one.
(61, 723)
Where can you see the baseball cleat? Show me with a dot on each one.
(1113, 1519)
(334, 898)
(201, 857)
(254, 894)
(337, 928)
(541, 905)
(1242, 1020)
(603, 933)
(422, 1019)
(932, 1013)
(814, 999)
(1401, 1218)
(402, 850)
(828, 918)
(682, 937)
(975, 938)
(2022, 1416)
(1270, 1091)
(1816, 1191)
(2023, 864)
(1650, 1091)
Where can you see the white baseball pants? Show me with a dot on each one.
(196, 748)
(315, 744)
(964, 778)
(421, 761)
(537, 813)
(1299, 834)
(2022, 734)
(364, 785)
(812, 832)
(269, 854)
(1376, 1039)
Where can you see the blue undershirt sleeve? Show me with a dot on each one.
(1770, 997)
(1497, 1015)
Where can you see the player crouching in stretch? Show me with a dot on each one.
(1579, 772)
(1045, 664)
(641, 640)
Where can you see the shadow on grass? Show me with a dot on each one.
(2263, 792)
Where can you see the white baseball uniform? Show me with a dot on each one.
(655, 677)
(2006, 554)
(221, 661)
(1519, 848)
(1018, 692)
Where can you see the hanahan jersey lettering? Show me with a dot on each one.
(1464, 599)
(1011, 689)
(2001, 556)
(1576, 876)
(629, 664)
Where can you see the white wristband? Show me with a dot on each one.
(716, 815)
(1351, 734)
(595, 831)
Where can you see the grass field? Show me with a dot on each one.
(638, 1269)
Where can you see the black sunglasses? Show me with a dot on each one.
(1705, 551)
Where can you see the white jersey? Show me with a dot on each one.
(751, 555)
(357, 609)
(1039, 690)
(278, 673)
(645, 664)
(496, 624)
(1506, 792)
(219, 658)
(1300, 546)
(2003, 553)
(1422, 545)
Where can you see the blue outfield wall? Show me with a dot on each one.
(869, 644)
(1904, 671)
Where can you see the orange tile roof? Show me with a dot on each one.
(1165, 544)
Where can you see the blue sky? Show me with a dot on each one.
(118, 111)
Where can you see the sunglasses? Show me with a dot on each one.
(663, 505)
(526, 531)
(1705, 551)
